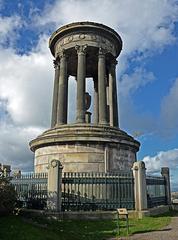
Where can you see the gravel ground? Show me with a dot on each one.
(170, 232)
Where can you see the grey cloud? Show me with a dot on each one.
(14, 146)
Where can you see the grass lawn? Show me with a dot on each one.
(17, 228)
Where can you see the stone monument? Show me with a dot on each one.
(85, 50)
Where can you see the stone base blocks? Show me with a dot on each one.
(85, 148)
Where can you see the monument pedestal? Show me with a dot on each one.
(85, 148)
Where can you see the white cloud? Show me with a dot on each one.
(26, 84)
(25, 101)
(143, 25)
(8, 26)
(162, 159)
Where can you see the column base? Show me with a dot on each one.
(80, 121)
(59, 124)
(104, 123)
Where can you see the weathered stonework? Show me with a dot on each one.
(85, 50)
(83, 148)
(84, 39)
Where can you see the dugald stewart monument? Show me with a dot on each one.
(94, 142)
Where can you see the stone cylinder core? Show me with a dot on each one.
(85, 50)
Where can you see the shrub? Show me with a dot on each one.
(7, 196)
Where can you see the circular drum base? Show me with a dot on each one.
(85, 148)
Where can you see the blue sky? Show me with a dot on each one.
(147, 73)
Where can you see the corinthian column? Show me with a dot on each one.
(113, 105)
(81, 74)
(63, 90)
(102, 88)
(55, 94)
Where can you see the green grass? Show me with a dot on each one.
(17, 228)
(146, 224)
(14, 228)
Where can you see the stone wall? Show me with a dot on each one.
(120, 157)
(74, 157)
(87, 157)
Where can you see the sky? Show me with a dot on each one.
(147, 74)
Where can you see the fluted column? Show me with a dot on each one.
(96, 102)
(113, 105)
(63, 91)
(55, 94)
(102, 88)
(81, 74)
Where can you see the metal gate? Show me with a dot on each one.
(156, 191)
(31, 190)
(97, 191)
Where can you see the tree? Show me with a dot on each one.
(8, 196)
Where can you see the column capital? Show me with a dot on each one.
(102, 52)
(114, 62)
(81, 49)
(56, 63)
(62, 53)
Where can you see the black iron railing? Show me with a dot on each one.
(88, 191)
(156, 191)
(31, 190)
(97, 191)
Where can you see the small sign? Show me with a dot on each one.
(122, 211)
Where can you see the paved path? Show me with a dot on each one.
(170, 232)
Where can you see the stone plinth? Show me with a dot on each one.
(85, 148)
